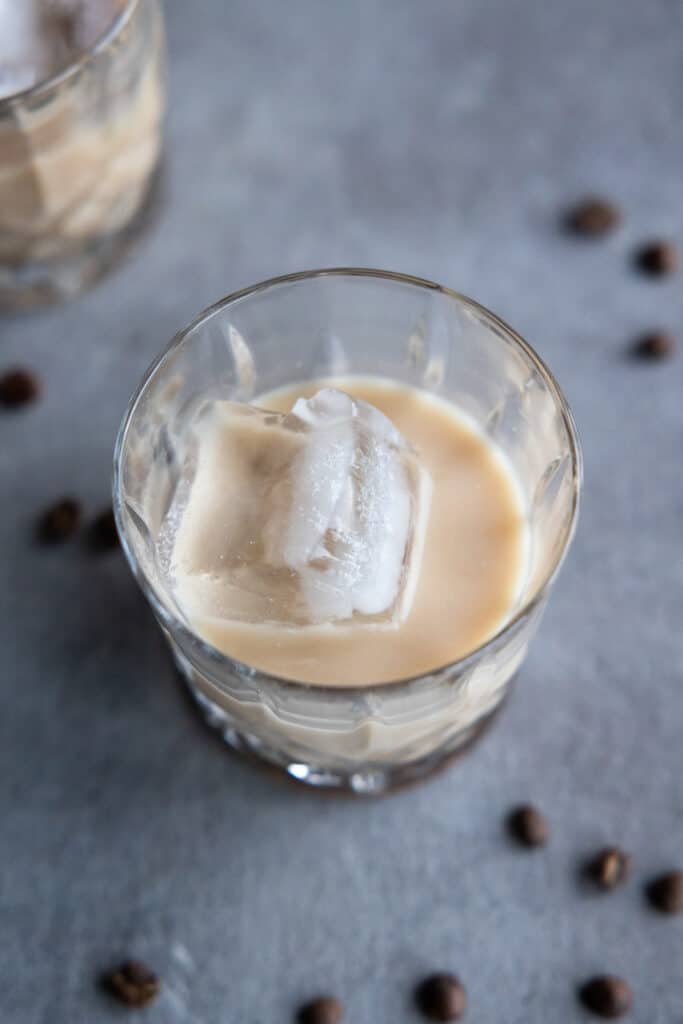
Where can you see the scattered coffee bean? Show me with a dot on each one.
(666, 893)
(18, 387)
(610, 868)
(60, 521)
(658, 258)
(323, 1010)
(607, 996)
(593, 217)
(528, 826)
(655, 345)
(441, 997)
(133, 983)
(103, 534)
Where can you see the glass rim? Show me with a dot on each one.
(64, 74)
(171, 622)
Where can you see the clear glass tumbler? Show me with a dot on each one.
(326, 323)
(79, 155)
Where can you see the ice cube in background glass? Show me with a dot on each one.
(310, 518)
(40, 37)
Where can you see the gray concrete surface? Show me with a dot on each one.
(442, 139)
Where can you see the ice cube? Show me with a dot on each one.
(314, 517)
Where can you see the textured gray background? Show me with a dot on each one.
(442, 139)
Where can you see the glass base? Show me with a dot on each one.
(367, 780)
(40, 284)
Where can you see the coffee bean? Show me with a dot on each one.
(18, 387)
(610, 868)
(607, 996)
(133, 983)
(323, 1010)
(441, 997)
(60, 521)
(655, 345)
(666, 893)
(528, 826)
(593, 217)
(657, 258)
(103, 533)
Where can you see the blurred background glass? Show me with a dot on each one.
(78, 152)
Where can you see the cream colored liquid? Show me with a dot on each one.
(66, 176)
(473, 563)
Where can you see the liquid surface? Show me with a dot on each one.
(473, 560)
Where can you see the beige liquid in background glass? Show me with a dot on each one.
(473, 567)
(75, 163)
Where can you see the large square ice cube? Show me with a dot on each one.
(309, 518)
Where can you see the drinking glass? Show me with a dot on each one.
(79, 155)
(327, 323)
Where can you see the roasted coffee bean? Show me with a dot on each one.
(18, 387)
(441, 997)
(60, 521)
(655, 345)
(528, 826)
(133, 983)
(666, 892)
(657, 258)
(323, 1010)
(610, 868)
(606, 996)
(103, 533)
(593, 217)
